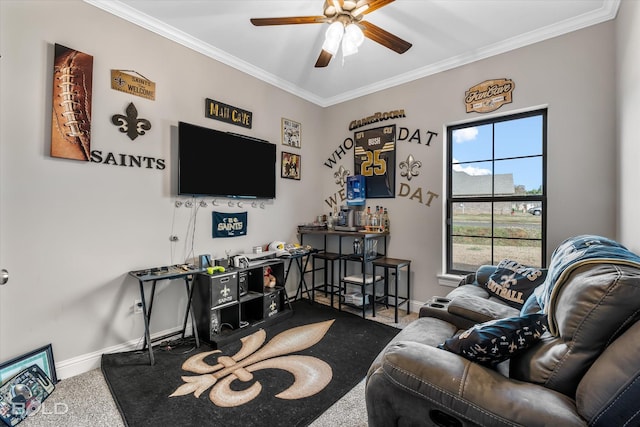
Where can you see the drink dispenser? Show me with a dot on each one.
(356, 190)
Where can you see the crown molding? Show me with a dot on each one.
(607, 12)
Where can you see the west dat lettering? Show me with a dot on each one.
(129, 160)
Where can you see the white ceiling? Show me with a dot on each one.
(444, 33)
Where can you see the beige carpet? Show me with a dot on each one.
(85, 400)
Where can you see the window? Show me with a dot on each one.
(496, 198)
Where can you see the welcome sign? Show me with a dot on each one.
(133, 85)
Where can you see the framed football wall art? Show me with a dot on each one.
(291, 133)
(290, 164)
(71, 109)
(375, 159)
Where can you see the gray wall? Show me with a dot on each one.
(563, 74)
(69, 231)
(628, 105)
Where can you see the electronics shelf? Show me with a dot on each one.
(233, 304)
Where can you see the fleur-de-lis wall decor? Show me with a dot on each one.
(410, 167)
(131, 124)
(311, 375)
(341, 176)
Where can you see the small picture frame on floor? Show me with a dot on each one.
(43, 357)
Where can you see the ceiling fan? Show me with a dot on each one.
(346, 26)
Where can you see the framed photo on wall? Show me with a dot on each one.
(43, 357)
(290, 166)
(291, 133)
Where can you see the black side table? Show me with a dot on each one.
(395, 264)
(152, 276)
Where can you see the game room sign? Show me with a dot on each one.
(489, 95)
(226, 113)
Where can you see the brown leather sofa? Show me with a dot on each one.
(583, 371)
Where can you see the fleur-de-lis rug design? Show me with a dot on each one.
(281, 374)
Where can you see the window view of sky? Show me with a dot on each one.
(512, 140)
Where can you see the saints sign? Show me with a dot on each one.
(375, 159)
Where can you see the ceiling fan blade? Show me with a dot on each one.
(385, 38)
(289, 20)
(323, 59)
(374, 5)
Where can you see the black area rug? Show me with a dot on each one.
(339, 355)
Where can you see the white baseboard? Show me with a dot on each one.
(86, 362)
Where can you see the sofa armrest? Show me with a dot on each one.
(467, 309)
(421, 385)
(480, 310)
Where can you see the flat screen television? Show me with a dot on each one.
(222, 164)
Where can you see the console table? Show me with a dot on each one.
(153, 275)
(363, 259)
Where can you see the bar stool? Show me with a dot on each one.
(326, 257)
(394, 264)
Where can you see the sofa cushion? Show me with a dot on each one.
(609, 392)
(480, 310)
(492, 342)
(597, 303)
(425, 330)
(476, 290)
(513, 282)
(417, 385)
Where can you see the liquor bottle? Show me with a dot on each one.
(381, 219)
(375, 220)
(385, 220)
(330, 222)
(340, 220)
(368, 223)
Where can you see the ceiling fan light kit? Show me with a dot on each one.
(352, 39)
(332, 37)
(345, 25)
